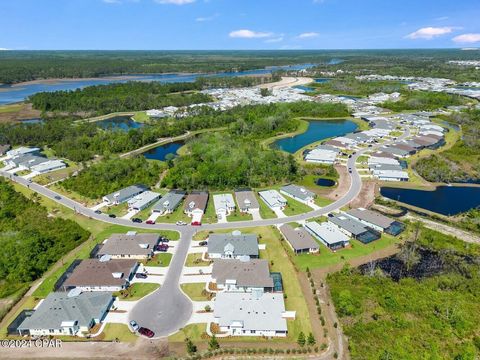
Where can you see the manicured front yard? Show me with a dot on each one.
(295, 207)
(136, 291)
(239, 216)
(161, 259)
(193, 332)
(195, 291)
(265, 211)
(196, 260)
(118, 332)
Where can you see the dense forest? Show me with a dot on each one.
(419, 304)
(354, 87)
(424, 100)
(130, 96)
(462, 161)
(31, 240)
(114, 174)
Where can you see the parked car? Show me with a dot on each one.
(136, 220)
(349, 156)
(163, 239)
(180, 223)
(203, 243)
(141, 275)
(161, 247)
(134, 325)
(58, 197)
(196, 223)
(150, 222)
(146, 332)
(350, 171)
(98, 212)
(113, 216)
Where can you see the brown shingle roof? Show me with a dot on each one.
(253, 273)
(198, 198)
(124, 244)
(300, 239)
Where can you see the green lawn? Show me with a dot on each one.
(210, 216)
(195, 291)
(121, 332)
(141, 116)
(73, 195)
(322, 201)
(161, 259)
(28, 303)
(295, 207)
(326, 257)
(265, 211)
(194, 332)
(239, 216)
(177, 215)
(117, 210)
(196, 260)
(136, 291)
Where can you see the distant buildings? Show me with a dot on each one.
(30, 159)
(322, 154)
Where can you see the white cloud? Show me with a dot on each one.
(467, 38)
(442, 18)
(430, 32)
(249, 34)
(206, 18)
(4, 49)
(274, 40)
(174, 2)
(112, 1)
(308, 35)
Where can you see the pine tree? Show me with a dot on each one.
(191, 347)
(311, 339)
(213, 343)
(301, 339)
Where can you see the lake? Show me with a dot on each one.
(304, 88)
(161, 152)
(317, 130)
(322, 80)
(445, 200)
(15, 93)
(123, 123)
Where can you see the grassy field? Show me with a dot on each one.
(265, 211)
(326, 257)
(161, 259)
(74, 195)
(196, 260)
(295, 207)
(195, 332)
(136, 291)
(29, 303)
(177, 215)
(239, 216)
(195, 291)
(57, 175)
(120, 332)
(10, 108)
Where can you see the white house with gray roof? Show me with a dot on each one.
(224, 204)
(273, 199)
(142, 200)
(63, 313)
(123, 195)
(169, 202)
(232, 246)
(251, 314)
(328, 234)
(299, 239)
(298, 193)
(246, 200)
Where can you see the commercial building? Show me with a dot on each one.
(233, 245)
(123, 195)
(250, 314)
(298, 193)
(246, 200)
(142, 200)
(242, 276)
(169, 202)
(273, 199)
(101, 275)
(129, 246)
(66, 314)
(328, 234)
(299, 239)
(377, 221)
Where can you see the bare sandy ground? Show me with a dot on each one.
(286, 82)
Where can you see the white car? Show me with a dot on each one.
(181, 223)
(134, 325)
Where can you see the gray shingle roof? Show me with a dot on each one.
(170, 201)
(243, 244)
(123, 195)
(58, 307)
(253, 273)
(125, 244)
(371, 217)
(246, 199)
(299, 238)
(349, 224)
(298, 192)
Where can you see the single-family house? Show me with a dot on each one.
(390, 175)
(129, 246)
(224, 204)
(250, 314)
(377, 221)
(67, 314)
(299, 239)
(246, 200)
(354, 228)
(101, 275)
(123, 195)
(328, 234)
(23, 151)
(273, 199)
(143, 200)
(232, 246)
(169, 202)
(195, 206)
(298, 193)
(238, 275)
(48, 166)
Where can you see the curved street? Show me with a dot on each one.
(168, 309)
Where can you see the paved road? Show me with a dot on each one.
(168, 309)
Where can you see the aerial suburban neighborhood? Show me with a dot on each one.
(259, 201)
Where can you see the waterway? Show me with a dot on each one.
(317, 130)
(445, 200)
(161, 152)
(123, 123)
(15, 93)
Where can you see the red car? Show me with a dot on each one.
(150, 222)
(146, 332)
(196, 223)
(161, 247)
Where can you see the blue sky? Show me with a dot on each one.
(238, 24)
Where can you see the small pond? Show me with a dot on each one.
(325, 182)
(445, 200)
(161, 152)
(124, 123)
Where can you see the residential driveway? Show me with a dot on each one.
(255, 214)
(197, 270)
(279, 213)
(155, 270)
(196, 249)
(99, 206)
(199, 315)
(151, 279)
(30, 176)
(190, 279)
(130, 214)
(154, 216)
